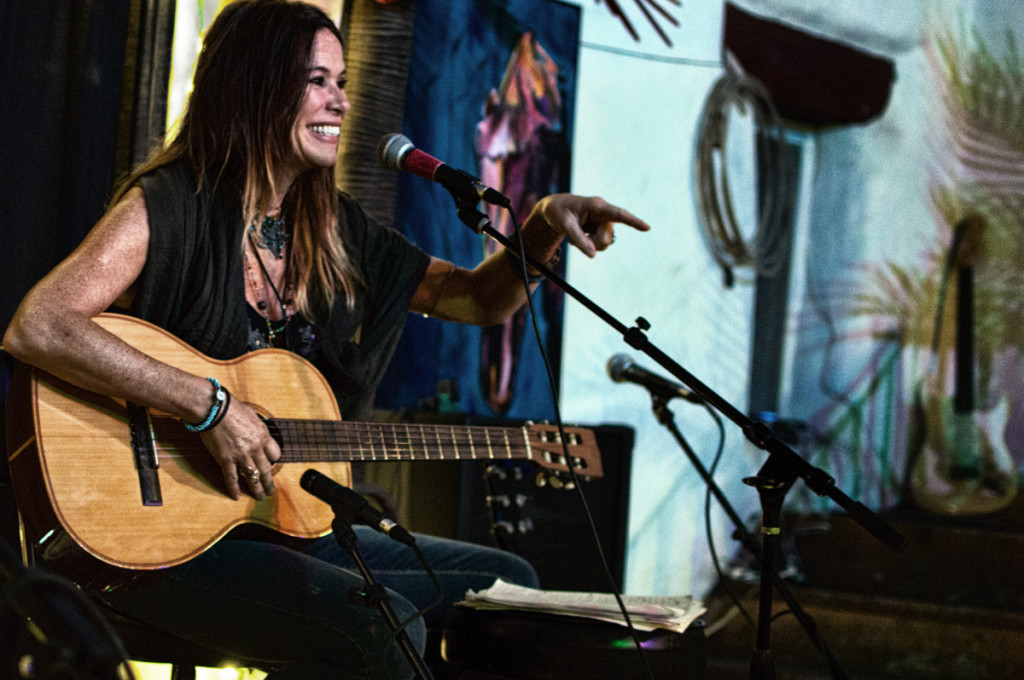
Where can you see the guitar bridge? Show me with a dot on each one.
(144, 451)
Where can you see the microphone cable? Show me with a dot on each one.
(716, 560)
(74, 638)
(574, 478)
(422, 612)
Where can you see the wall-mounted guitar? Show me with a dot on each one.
(961, 465)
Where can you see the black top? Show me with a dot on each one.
(193, 284)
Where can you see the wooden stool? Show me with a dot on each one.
(516, 645)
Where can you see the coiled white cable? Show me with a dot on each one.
(763, 251)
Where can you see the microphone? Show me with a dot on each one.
(622, 369)
(352, 506)
(396, 152)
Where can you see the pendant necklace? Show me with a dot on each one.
(271, 235)
(273, 330)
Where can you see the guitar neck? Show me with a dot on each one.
(336, 441)
(963, 394)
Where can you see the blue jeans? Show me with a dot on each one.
(265, 601)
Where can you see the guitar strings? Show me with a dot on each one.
(320, 440)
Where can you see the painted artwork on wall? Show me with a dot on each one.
(490, 91)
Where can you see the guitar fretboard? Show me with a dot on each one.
(963, 395)
(329, 440)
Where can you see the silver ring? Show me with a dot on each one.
(251, 473)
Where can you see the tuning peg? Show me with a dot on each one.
(505, 527)
(496, 471)
(501, 499)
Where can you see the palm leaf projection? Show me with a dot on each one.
(980, 171)
(983, 97)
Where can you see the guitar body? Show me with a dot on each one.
(963, 466)
(78, 488)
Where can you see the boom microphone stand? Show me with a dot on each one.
(774, 479)
(772, 493)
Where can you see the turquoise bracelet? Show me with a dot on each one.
(219, 395)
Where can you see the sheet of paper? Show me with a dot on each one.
(645, 612)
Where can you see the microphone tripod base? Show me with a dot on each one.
(762, 665)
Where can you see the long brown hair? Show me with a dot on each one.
(248, 88)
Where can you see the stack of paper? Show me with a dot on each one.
(645, 613)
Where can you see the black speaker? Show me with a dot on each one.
(536, 646)
(502, 504)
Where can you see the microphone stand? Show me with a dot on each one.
(772, 494)
(374, 595)
(774, 478)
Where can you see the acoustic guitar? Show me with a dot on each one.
(109, 490)
(962, 465)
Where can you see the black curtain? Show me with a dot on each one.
(84, 94)
(147, 76)
(84, 89)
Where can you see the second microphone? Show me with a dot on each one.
(622, 369)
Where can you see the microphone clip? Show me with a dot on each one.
(372, 595)
(469, 214)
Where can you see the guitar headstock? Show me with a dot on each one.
(967, 239)
(548, 450)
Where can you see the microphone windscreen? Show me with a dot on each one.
(617, 366)
(308, 479)
(391, 148)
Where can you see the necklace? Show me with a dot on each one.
(273, 330)
(271, 235)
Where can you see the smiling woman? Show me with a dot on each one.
(324, 104)
(191, 19)
(231, 239)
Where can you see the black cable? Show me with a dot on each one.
(81, 642)
(565, 447)
(422, 611)
(715, 559)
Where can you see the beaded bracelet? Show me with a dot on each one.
(223, 410)
(220, 395)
